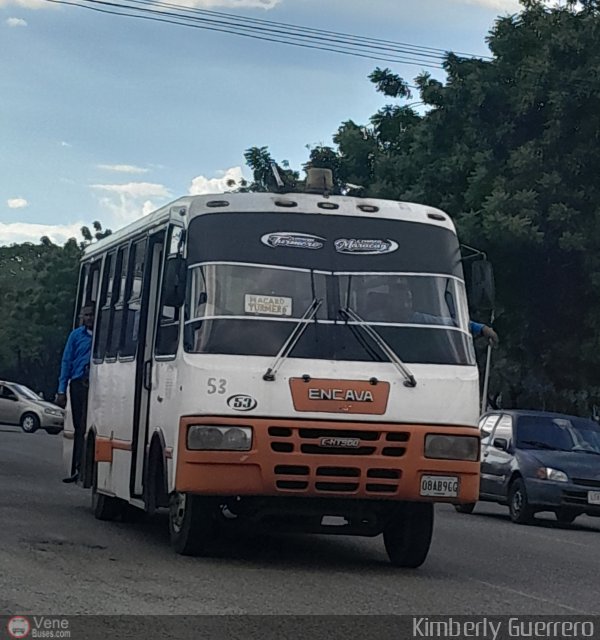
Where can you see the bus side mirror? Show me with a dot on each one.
(174, 281)
(482, 285)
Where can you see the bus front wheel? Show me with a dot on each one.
(407, 535)
(192, 523)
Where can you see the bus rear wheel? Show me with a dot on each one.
(407, 535)
(192, 523)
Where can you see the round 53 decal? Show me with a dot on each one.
(241, 402)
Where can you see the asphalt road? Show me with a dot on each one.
(56, 558)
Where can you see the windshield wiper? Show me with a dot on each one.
(293, 338)
(541, 445)
(382, 344)
(592, 451)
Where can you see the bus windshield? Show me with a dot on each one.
(248, 309)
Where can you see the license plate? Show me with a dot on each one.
(439, 486)
(593, 497)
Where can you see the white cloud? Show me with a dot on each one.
(502, 5)
(16, 22)
(201, 185)
(65, 144)
(26, 4)
(204, 4)
(135, 189)
(17, 203)
(128, 202)
(122, 168)
(230, 4)
(28, 232)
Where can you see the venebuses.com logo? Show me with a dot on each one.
(18, 627)
(38, 627)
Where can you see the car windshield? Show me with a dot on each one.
(26, 392)
(249, 309)
(558, 434)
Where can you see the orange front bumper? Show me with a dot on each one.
(287, 458)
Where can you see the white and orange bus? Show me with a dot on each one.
(251, 368)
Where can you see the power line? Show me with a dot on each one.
(417, 48)
(178, 21)
(303, 32)
(305, 37)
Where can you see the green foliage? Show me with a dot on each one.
(510, 147)
(38, 285)
(267, 174)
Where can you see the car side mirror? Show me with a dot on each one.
(482, 285)
(501, 443)
(174, 281)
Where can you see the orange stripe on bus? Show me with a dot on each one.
(106, 446)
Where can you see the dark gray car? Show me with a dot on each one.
(538, 461)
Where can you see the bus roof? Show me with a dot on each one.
(317, 204)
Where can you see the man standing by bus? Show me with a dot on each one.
(74, 372)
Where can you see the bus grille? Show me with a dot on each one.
(328, 477)
(587, 482)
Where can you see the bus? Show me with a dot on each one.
(257, 363)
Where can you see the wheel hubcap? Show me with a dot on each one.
(28, 423)
(517, 502)
(177, 511)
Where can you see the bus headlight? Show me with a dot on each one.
(452, 447)
(201, 437)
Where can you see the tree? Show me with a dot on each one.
(509, 147)
(38, 286)
(267, 174)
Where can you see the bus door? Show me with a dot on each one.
(87, 293)
(151, 275)
(160, 340)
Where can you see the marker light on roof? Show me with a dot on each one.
(368, 208)
(217, 203)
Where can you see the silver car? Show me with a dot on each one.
(20, 405)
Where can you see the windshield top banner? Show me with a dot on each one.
(329, 243)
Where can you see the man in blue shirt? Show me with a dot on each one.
(74, 372)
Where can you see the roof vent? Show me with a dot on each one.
(436, 216)
(319, 181)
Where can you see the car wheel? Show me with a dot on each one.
(407, 536)
(30, 423)
(564, 516)
(53, 431)
(465, 508)
(104, 507)
(518, 504)
(192, 523)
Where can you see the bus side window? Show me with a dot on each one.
(116, 325)
(168, 320)
(167, 330)
(133, 297)
(104, 315)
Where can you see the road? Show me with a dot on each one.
(56, 558)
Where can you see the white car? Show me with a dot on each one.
(20, 405)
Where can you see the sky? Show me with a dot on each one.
(105, 117)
